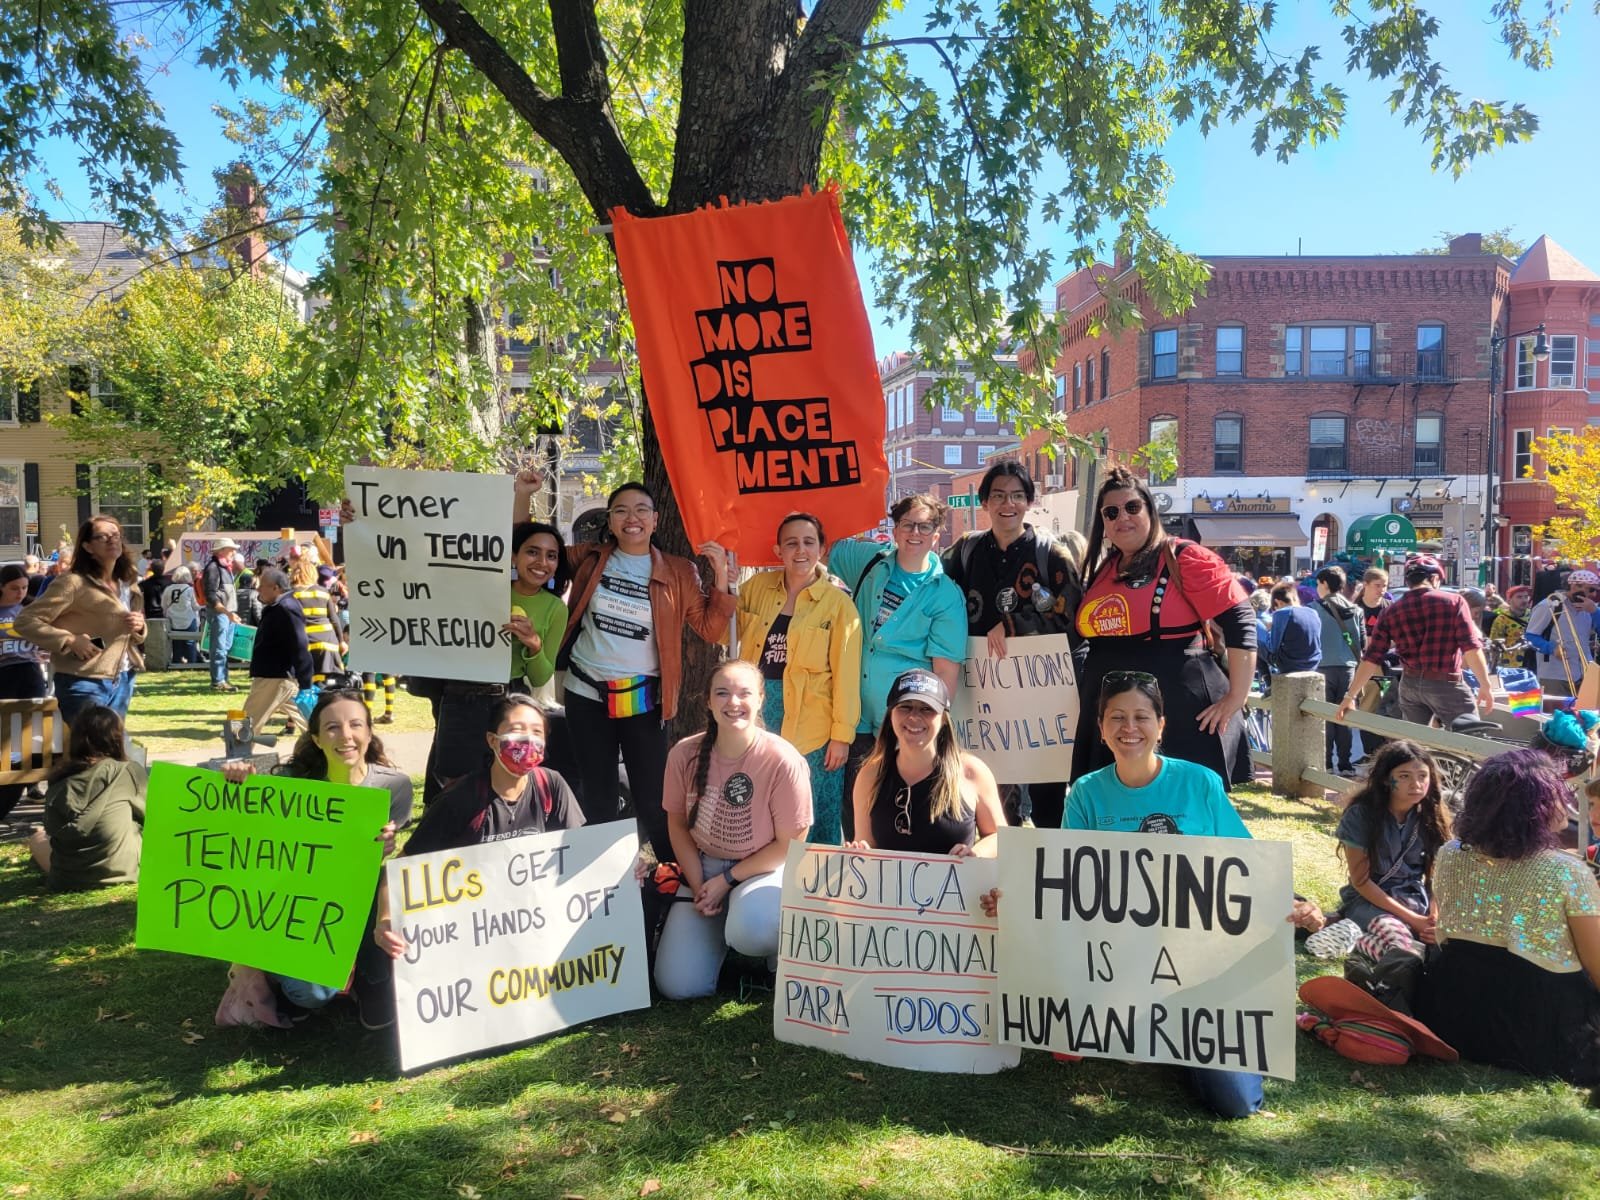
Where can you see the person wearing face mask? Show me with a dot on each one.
(799, 626)
(1018, 582)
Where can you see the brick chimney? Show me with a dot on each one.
(1467, 243)
(243, 195)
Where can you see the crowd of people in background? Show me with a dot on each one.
(830, 724)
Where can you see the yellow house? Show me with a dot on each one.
(47, 489)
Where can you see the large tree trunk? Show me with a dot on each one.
(749, 129)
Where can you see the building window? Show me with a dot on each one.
(1227, 445)
(1522, 454)
(1430, 352)
(11, 476)
(1061, 393)
(1163, 428)
(1088, 378)
(954, 413)
(1230, 350)
(118, 491)
(1428, 446)
(1563, 361)
(983, 454)
(1164, 354)
(985, 405)
(952, 456)
(1327, 445)
(8, 401)
(1105, 373)
(1328, 351)
(1525, 363)
(1077, 384)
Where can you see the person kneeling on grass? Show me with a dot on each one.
(93, 809)
(338, 748)
(917, 791)
(1143, 791)
(735, 796)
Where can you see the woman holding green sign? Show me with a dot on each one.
(339, 747)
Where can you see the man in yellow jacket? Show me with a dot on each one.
(801, 628)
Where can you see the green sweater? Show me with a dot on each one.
(95, 819)
(548, 616)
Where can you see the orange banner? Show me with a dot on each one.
(757, 360)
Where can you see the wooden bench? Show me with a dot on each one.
(30, 740)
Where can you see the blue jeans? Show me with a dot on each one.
(74, 693)
(220, 627)
(299, 992)
(1231, 1094)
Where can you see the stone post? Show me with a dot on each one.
(157, 645)
(1296, 735)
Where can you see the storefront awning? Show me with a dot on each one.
(1381, 533)
(1279, 529)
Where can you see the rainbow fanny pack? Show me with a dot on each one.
(630, 696)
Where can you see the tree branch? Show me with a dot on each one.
(576, 127)
(580, 51)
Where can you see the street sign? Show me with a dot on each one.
(962, 500)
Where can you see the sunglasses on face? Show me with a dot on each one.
(1133, 508)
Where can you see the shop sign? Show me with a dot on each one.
(1235, 505)
(1418, 510)
(1381, 534)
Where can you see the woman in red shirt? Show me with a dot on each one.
(1146, 608)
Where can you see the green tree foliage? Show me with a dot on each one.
(47, 313)
(203, 389)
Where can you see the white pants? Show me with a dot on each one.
(692, 948)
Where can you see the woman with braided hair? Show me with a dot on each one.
(734, 796)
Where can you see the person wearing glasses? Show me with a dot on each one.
(91, 623)
(918, 792)
(912, 616)
(623, 651)
(338, 747)
(800, 628)
(1162, 605)
(1018, 582)
(1560, 628)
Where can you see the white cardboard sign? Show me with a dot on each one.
(887, 958)
(516, 939)
(429, 568)
(1019, 713)
(1148, 948)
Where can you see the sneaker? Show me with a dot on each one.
(375, 1003)
(386, 719)
(223, 687)
(1335, 940)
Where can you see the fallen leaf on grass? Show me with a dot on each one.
(20, 1189)
(111, 1114)
(631, 1050)
(650, 1186)
(866, 1181)
(856, 1075)
(228, 1180)
(193, 1039)
(105, 1014)
(364, 1137)
(238, 1146)
(575, 1195)
(98, 978)
(467, 1192)
(186, 1023)
(256, 1191)
(375, 1105)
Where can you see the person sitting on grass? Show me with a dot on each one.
(339, 747)
(1516, 983)
(735, 796)
(1143, 791)
(93, 809)
(1390, 833)
(917, 791)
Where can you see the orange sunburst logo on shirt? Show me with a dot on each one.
(1105, 617)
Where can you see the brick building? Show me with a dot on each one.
(1314, 400)
(1551, 288)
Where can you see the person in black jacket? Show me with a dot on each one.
(281, 664)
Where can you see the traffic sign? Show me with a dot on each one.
(963, 500)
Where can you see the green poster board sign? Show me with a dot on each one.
(274, 872)
(1381, 534)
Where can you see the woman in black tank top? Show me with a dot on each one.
(917, 792)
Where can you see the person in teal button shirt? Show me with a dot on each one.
(912, 616)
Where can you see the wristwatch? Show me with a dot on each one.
(727, 874)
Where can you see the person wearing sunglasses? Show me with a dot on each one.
(1162, 605)
(338, 747)
(913, 617)
(918, 792)
(623, 650)
(1560, 627)
(88, 621)
(1018, 582)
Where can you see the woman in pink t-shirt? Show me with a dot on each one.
(735, 796)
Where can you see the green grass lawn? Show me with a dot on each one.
(177, 710)
(113, 1082)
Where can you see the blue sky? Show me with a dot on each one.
(1370, 192)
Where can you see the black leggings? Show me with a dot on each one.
(596, 739)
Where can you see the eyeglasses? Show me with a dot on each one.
(1117, 678)
(923, 527)
(902, 812)
(1133, 508)
(105, 537)
(1009, 497)
(638, 510)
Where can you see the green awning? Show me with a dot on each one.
(1381, 533)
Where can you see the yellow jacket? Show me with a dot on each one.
(822, 683)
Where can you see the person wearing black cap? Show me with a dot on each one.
(1433, 632)
(917, 792)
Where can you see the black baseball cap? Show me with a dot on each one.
(920, 685)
